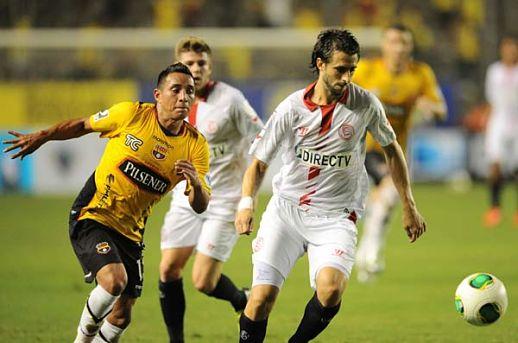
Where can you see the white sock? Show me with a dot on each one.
(108, 333)
(99, 304)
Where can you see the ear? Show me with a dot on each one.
(320, 64)
(156, 94)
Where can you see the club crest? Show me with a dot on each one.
(159, 152)
(103, 248)
(346, 132)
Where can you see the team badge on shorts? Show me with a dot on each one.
(103, 248)
(346, 132)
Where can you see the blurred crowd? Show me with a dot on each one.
(458, 38)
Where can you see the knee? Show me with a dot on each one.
(330, 294)
(170, 271)
(204, 283)
(260, 304)
(114, 283)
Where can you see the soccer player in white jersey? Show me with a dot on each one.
(228, 122)
(320, 190)
(501, 133)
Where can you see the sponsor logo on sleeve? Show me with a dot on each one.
(144, 177)
(101, 115)
(133, 142)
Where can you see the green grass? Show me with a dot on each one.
(42, 293)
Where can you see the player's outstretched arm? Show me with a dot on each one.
(198, 196)
(30, 142)
(252, 180)
(413, 222)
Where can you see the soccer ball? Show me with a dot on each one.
(481, 299)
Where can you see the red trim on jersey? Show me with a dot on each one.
(327, 118)
(308, 92)
(208, 89)
(305, 200)
(353, 217)
(313, 172)
(193, 113)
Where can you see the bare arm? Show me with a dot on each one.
(252, 180)
(198, 196)
(28, 143)
(412, 221)
(431, 109)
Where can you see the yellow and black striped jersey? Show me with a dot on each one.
(137, 166)
(397, 92)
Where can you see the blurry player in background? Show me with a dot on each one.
(150, 149)
(405, 87)
(320, 190)
(229, 123)
(502, 129)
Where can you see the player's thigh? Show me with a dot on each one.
(94, 247)
(277, 244)
(494, 142)
(133, 261)
(173, 261)
(336, 249)
(181, 228)
(217, 239)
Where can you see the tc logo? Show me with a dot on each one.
(133, 142)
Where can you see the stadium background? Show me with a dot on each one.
(62, 59)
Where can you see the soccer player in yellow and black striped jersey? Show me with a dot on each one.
(150, 149)
(405, 87)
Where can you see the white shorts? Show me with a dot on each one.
(185, 228)
(501, 145)
(287, 232)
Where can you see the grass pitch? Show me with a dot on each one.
(42, 292)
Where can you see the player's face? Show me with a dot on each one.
(175, 96)
(397, 45)
(337, 73)
(509, 50)
(200, 65)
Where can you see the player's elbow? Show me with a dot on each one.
(200, 203)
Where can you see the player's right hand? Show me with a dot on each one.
(244, 221)
(27, 143)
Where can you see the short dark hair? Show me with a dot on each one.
(332, 40)
(191, 43)
(177, 67)
(399, 27)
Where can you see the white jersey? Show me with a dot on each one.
(323, 149)
(229, 124)
(502, 95)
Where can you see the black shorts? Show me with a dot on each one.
(376, 166)
(96, 245)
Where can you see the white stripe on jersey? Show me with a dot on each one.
(229, 124)
(323, 149)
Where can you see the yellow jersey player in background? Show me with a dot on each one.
(405, 87)
(150, 149)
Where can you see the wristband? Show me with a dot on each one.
(245, 203)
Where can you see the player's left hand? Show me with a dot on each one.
(413, 223)
(244, 221)
(187, 170)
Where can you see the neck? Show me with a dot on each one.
(172, 126)
(509, 62)
(395, 66)
(204, 92)
(322, 95)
